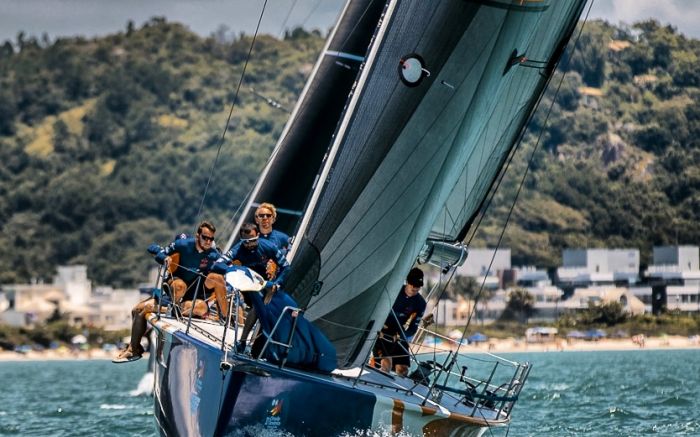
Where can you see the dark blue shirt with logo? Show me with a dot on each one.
(191, 260)
(280, 239)
(409, 312)
(257, 258)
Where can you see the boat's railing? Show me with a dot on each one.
(165, 302)
(478, 379)
(295, 313)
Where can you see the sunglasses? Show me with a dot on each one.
(206, 238)
(264, 215)
(249, 240)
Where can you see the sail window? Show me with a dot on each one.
(412, 70)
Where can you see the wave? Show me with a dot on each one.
(113, 407)
(145, 387)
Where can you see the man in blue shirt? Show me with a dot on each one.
(406, 313)
(265, 217)
(188, 260)
(263, 257)
(258, 254)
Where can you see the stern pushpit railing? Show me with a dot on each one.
(479, 380)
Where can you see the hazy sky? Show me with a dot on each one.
(99, 17)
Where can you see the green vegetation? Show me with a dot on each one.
(520, 306)
(618, 163)
(647, 324)
(106, 144)
(54, 334)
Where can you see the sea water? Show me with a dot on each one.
(620, 393)
(625, 393)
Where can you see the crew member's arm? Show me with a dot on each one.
(163, 256)
(226, 259)
(283, 268)
(415, 321)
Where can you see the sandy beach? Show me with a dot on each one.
(495, 346)
(58, 354)
(511, 345)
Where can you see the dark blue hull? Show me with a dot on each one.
(194, 397)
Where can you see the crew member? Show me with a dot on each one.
(188, 259)
(406, 313)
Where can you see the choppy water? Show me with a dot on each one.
(73, 398)
(625, 393)
(629, 393)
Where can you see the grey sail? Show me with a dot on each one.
(406, 121)
(404, 145)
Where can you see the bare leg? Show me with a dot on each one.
(402, 369)
(216, 283)
(179, 288)
(138, 322)
(200, 308)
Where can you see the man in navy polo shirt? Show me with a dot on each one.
(265, 217)
(189, 260)
(260, 255)
(406, 313)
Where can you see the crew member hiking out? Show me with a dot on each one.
(189, 261)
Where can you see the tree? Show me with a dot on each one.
(8, 111)
(589, 57)
(465, 286)
(520, 306)
(608, 313)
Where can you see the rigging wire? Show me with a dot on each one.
(525, 173)
(230, 114)
(232, 221)
(280, 33)
(311, 12)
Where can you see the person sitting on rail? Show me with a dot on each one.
(189, 260)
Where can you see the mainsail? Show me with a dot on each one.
(438, 104)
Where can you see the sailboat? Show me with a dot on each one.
(408, 117)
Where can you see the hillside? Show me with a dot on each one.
(107, 144)
(619, 162)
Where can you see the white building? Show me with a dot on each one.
(675, 278)
(72, 295)
(539, 285)
(598, 295)
(452, 313)
(587, 267)
(455, 313)
(643, 293)
(477, 266)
